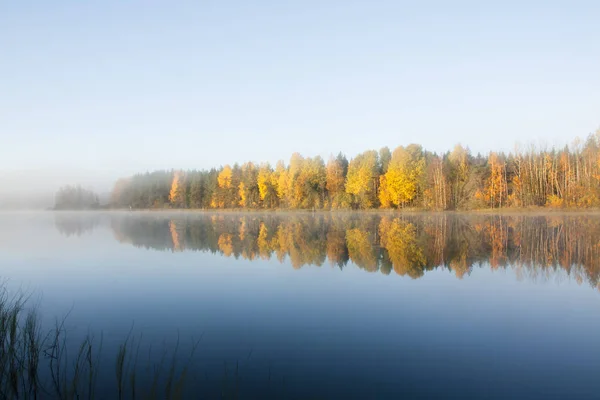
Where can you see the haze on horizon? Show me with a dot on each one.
(97, 90)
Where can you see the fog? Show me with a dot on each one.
(35, 188)
(88, 105)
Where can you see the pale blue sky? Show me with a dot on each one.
(109, 88)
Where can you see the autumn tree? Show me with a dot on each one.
(267, 186)
(283, 183)
(530, 176)
(310, 183)
(294, 188)
(399, 185)
(248, 187)
(177, 195)
(496, 190)
(362, 179)
(385, 156)
(224, 178)
(228, 188)
(435, 193)
(337, 169)
(458, 175)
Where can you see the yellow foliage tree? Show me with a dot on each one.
(362, 175)
(224, 178)
(177, 193)
(310, 183)
(335, 176)
(459, 174)
(336, 181)
(226, 194)
(267, 185)
(263, 181)
(294, 189)
(496, 190)
(243, 195)
(400, 183)
(281, 175)
(248, 193)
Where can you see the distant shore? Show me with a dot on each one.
(409, 211)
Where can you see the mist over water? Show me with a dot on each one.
(167, 121)
(35, 188)
(338, 304)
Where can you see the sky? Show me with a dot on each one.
(91, 91)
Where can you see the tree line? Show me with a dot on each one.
(407, 177)
(75, 198)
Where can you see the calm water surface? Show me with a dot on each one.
(329, 305)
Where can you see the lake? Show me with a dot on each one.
(326, 305)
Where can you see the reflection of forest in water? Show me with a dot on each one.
(75, 224)
(409, 245)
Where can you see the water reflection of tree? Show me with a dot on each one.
(400, 239)
(68, 224)
(408, 245)
(147, 232)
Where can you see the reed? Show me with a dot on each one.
(37, 365)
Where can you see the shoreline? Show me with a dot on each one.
(480, 212)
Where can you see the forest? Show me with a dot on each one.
(76, 198)
(407, 177)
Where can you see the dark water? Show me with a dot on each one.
(329, 305)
